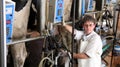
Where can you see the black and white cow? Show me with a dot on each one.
(18, 50)
(25, 19)
(21, 19)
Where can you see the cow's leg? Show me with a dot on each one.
(19, 54)
(18, 51)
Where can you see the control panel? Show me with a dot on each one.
(56, 10)
(10, 7)
(83, 8)
(108, 2)
(90, 5)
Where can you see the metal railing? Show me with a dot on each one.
(2, 35)
(24, 40)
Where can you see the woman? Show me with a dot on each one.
(90, 48)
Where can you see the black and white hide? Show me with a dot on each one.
(27, 16)
(32, 22)
(18, 50)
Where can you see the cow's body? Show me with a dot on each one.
(18, 51)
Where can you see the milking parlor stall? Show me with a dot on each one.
(33, 34)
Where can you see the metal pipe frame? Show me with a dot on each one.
(73, 26)
(25, 40)
(93, 12)
(2, 35)
(30, 39)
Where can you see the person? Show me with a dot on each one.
(90, 48)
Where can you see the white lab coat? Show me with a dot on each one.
(90, 45)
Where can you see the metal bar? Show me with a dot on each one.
(69, 22)
(93, 12)
(106, 47)
(73, 26)
(2, 35)
(25, 40)
(117, 38)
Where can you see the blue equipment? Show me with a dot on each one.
(56, 11)
(10, 6)
(90, 5)
(108, 2)
(83, 7)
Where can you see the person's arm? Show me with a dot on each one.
(80, 56)
(68, 27)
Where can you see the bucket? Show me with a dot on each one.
(116, 51)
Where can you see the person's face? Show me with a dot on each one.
(88, 27)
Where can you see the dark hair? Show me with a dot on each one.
(88, 18)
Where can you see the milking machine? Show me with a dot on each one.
(52, 52)
(110, 39)
(52, 46)
(106, 22)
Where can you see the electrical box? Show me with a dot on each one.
(83, 8)
(90, 5)
(56, 10)
(108, 2)
(10, 8)
(114, 1)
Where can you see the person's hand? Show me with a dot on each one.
(33, 34)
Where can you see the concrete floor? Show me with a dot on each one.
(116, 60)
